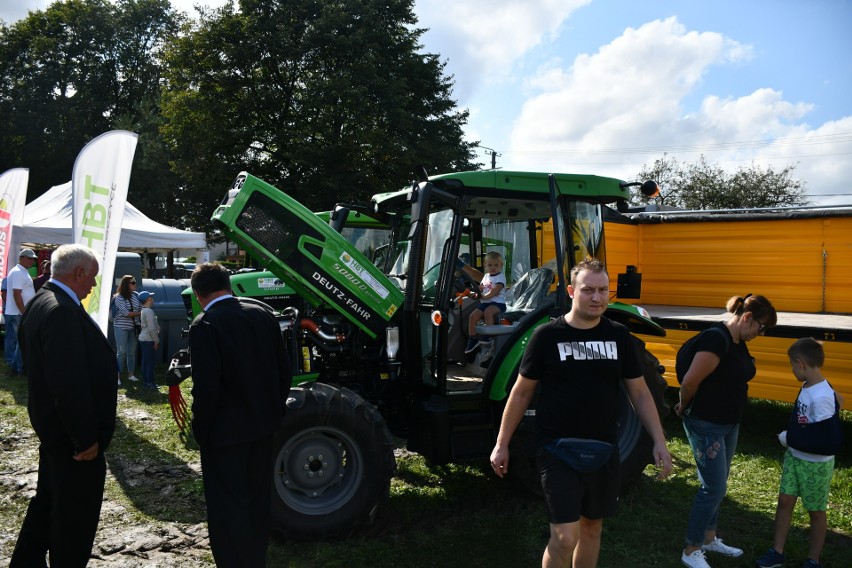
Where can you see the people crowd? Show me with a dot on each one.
(238, 404)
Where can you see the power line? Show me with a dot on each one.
(493, 153)
(802, 141)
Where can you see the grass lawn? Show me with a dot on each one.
(457, 515)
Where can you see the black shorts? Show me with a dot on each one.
(569, 493)
(499, 305)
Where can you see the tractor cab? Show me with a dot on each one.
(440, 221)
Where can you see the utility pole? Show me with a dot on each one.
(493, 155)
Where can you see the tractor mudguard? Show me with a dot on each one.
(634, 318)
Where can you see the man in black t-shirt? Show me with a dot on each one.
(580, 359)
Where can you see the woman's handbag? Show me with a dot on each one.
(137, 327)
(581, 454)
(824, 438)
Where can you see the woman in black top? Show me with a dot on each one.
(713, 396)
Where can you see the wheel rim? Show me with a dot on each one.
(318, 470)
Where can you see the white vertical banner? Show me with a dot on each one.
(99, 195)
(13, 199)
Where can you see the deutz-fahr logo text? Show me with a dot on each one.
(340, 295)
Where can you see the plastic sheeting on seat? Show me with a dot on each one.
(530, 290)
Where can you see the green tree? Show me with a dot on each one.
(327, 100)
(700, 185)
(75, 70)
(143, 29)
(56, 81)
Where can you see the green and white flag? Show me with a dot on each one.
(99, 195)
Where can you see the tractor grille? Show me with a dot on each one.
(273, 227)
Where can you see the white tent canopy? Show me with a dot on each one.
(47, 221)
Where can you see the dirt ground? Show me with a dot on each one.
(122, 541)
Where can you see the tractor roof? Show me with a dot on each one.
(511, 194)
(497, 184)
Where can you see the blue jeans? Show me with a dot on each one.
(147, 350)
(713, 446)
(11, 351)
(125, 344)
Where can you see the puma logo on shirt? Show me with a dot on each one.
(581, 351)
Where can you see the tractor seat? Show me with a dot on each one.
(527, 294)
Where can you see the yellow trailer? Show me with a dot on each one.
(691, 263)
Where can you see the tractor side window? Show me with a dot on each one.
(366, 239)
(440, 228)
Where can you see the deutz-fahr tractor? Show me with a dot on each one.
(378, 344)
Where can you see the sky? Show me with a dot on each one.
(609, 86)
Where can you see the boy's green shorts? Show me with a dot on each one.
(808, 480)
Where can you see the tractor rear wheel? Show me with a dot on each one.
(333, 463)
(634, 443)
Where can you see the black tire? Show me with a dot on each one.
(634, 443)
(333, 463)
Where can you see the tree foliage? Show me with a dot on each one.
(328, 100)
(56, 82)
(75, 70)
(700, 185)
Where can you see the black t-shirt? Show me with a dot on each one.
(579, 371)
(722, 396)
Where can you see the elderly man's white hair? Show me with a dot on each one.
(67, 258)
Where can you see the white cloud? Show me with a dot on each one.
(821, 156)
(635, 82)
(613, 111)
(484, 39)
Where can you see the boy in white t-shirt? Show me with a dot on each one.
(492, 299)
(804, 474)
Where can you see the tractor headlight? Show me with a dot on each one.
(392, 342)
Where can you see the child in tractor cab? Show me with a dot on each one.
(492, 300)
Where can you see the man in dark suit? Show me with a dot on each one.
(241, 376)
(72, 404)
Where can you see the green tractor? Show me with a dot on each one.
(377, 342)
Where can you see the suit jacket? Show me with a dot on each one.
(240, 373)
(71, 370)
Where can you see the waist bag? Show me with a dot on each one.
(581, 454)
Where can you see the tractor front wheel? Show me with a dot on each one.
(333, 463)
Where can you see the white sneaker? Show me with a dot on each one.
(694, 560)
(721, 548)
(134, 379)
